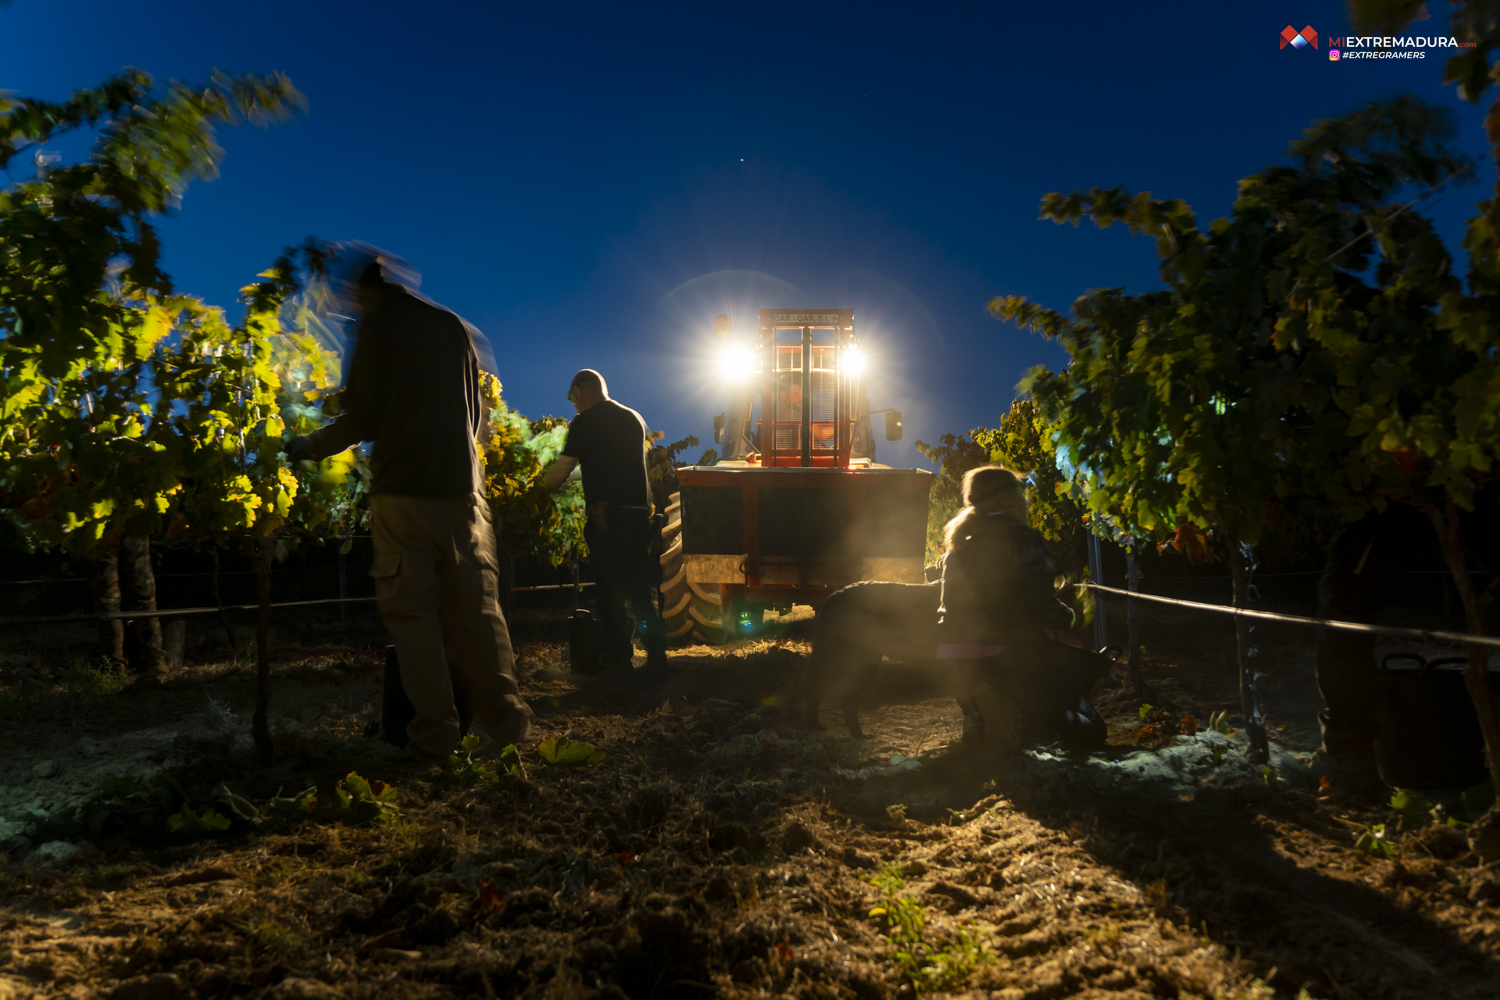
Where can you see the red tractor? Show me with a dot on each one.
(797, 507)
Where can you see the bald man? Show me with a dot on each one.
(609, 442)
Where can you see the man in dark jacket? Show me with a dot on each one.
(414, 391)
(609, 441)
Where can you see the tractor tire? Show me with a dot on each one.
(706, 609)
(676, 598)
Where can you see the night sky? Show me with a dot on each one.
(591, 184)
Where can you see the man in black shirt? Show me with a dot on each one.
(413, 390)
(609, 441)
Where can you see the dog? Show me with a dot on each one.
(1048, 684)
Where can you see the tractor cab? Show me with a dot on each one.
(798, 397)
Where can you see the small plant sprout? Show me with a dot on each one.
(463, 766)
(1104, 939)
(1219, 723)
(897, 813)
(955, 960)
(1374, 842)
(902, 916)
(928, 964)
(275, 940)
(1370, 839)
(510, 761)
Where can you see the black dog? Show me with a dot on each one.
(860, 624)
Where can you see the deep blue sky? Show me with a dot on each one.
(591, 183)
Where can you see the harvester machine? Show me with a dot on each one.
(797, 506)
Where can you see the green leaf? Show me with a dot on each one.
(562, 753)
(194, 824)
(510, 761)
(1373, 841)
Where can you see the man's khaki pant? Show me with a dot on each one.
(436, 576)
(128, 569)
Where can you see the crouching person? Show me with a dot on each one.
(997, 601)
(413, 389)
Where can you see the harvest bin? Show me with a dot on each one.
(779, 536)
(1429, 732)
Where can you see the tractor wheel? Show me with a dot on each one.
(706, 610)
(676, 598)
(716, 621)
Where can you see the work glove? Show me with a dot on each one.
(297, 449)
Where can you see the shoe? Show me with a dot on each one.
(151, 680)
(406, 756)
(515, 729)
(389, 753)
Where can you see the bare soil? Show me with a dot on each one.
(719, 849)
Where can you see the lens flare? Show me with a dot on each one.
(852, 360)
(736, 363)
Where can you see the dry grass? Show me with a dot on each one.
(719, 849)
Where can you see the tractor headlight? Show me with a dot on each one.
(852, 360)
(736, 363)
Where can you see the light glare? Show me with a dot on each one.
(736, 362)
(852, 360)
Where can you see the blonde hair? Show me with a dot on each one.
(987, 489)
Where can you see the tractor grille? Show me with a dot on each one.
(788, 397)
(788, 405)
(825, 383)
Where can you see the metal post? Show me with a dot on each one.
(1255, 720)
(1096, 573)
(1132, 619)
(770, 403)
(841, 386)
(806, 397)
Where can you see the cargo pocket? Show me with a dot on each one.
(482, 540)
(387, 562)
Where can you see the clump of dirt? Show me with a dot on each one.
(721, 848)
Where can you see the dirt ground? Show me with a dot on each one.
(718, 848)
